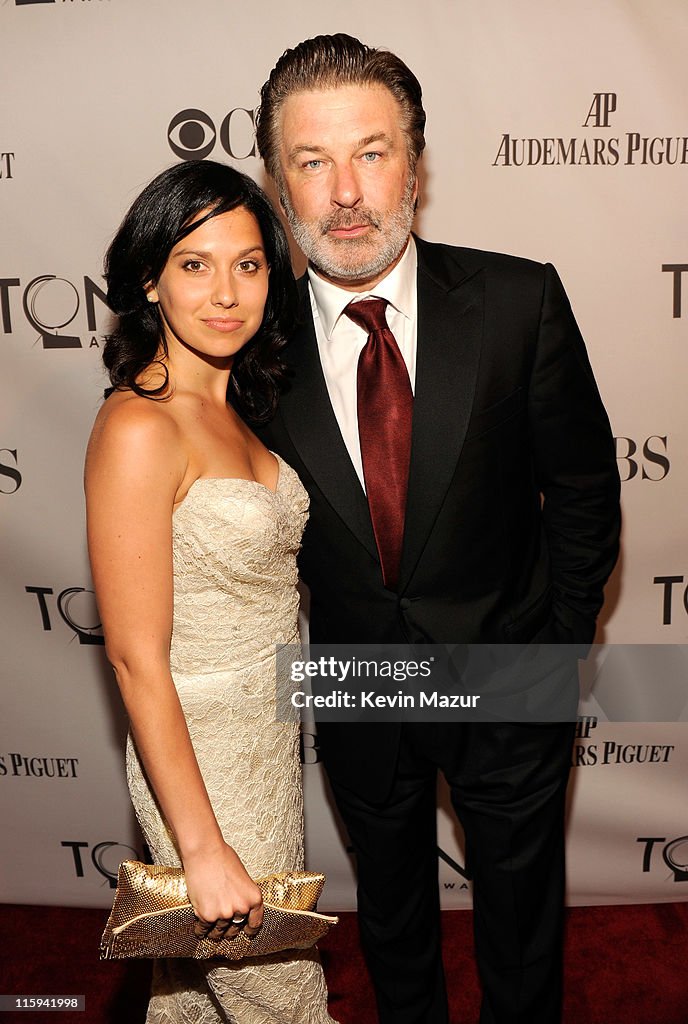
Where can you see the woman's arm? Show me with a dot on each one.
(134, 467)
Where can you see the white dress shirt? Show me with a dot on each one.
(340, 340)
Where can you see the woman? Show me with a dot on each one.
(193, 530)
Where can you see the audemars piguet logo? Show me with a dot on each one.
(589, 751)
(597, 146)
(38, 766)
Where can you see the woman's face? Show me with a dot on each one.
(213, 287)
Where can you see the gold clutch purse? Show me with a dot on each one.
(152, 916)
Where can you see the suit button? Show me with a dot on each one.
(404, 603)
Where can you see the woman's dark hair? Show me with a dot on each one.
(158, 219)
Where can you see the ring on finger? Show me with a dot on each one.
(239, 920)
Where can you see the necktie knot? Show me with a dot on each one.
(368, 314)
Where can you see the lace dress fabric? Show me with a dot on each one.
(234, 547)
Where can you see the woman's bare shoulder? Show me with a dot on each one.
(131, 427)
(126, 413)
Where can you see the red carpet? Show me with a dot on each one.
(624, 965)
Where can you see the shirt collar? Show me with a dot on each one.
(328, 300)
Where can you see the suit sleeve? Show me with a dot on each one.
(575, 467)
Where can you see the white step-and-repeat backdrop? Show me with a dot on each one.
(556, 131)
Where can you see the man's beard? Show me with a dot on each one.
(354, 259)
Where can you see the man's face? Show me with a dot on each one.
(347, 189)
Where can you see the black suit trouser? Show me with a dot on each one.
(508, 786)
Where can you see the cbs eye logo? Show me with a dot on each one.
(192, 134)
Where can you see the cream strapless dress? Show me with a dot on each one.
(234, 545)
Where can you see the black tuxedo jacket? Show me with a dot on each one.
(512, 517)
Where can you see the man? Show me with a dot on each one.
(463, 490)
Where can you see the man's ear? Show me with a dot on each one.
(416, 194)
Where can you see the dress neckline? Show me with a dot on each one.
(235, 480)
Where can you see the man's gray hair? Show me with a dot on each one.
(326, 62)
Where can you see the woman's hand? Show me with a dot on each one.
(221, 893)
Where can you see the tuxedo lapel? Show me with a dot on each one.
(450, 328)
(308, 416)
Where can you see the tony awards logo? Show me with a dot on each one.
(6, 165)
(50, 305)
(674, 597)
(105, 858)
(77, 609)
(674, 855)
(677, 270)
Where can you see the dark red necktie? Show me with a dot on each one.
(385, 409)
